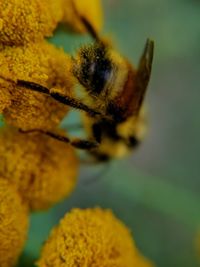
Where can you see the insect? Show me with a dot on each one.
(118, 90)
(114, 116)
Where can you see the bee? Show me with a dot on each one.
(114, 117)
(117, 90)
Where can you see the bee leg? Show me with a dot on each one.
(84, 144)
(33, 86)
(66, 100)
(74, 103)
(75, 142)
(97, 131)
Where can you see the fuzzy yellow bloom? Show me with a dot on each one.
(89, 9)
(13, 224)
(41, 63)
(91, 238)
(43, 169)
(24, 21)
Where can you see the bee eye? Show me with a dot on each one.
(101, 75)
(94, 70)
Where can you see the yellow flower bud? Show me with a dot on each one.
(13, 224)
(24, 21)
(91, 238)
(43, 169)
(41, 63)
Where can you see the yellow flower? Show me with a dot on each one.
(22, 22)
(25, 21)
(89, 9)
(13, 224)
(43, 169)
(91, 238)
(41, 63)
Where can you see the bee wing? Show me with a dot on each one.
(145, 65)
(143, 73)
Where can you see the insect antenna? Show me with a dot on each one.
(64, 99)
(88, 26)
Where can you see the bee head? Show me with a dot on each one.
(106, 74)
(93, 67)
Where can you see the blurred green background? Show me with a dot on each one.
(156, 191)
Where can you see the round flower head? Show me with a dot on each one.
(43, 169)
(41, 63)
(89, 9)
(24, 21)
(90, 238)
(13, 224)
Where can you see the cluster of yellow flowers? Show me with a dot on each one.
(37, 171)
(22, 21)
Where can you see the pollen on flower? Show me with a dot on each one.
(1, 24)
(90, 9)
(91, 238)
(41, 63)
(5, 99)
(14, 224)
(43, 169)
(24, 21)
